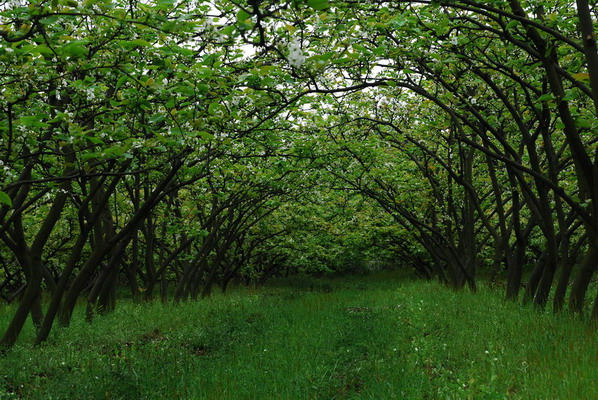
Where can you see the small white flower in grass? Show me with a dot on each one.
(474, 100)
(455, 40)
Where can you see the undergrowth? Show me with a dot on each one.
(376, 337)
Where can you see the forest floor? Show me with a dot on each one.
(380, 336)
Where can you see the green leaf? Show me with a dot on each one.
(144, 104)
(33, 121)
(318, 4)
(89, 156)
(342, 60)
(131, 44)
(43, 50)
(583, 123)
(205, 135)
(582, 77)
(58, 118)
(546, 97)
(511, 24)
(204, 73)
(570, 95)
(227, 30)
(203, 88)
(380, 50)
(242, 16)
(115, 151)
(176, 131)
(157, 118)
(49, 20)
(185, 89)
(213, 108)
(94, 140)
(141, 43)
(121, 81)
(327, 56)
(5, 199)
(76, 48)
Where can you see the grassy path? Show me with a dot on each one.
(378, 338)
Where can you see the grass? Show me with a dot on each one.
(376, 337)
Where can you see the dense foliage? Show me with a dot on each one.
(198, 143)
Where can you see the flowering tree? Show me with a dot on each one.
(195, 142)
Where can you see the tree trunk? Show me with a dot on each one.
(583, 278)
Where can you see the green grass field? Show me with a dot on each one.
(375, 337)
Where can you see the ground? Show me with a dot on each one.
(382, 336)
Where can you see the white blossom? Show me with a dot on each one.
(15, 3)
(296, 57)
